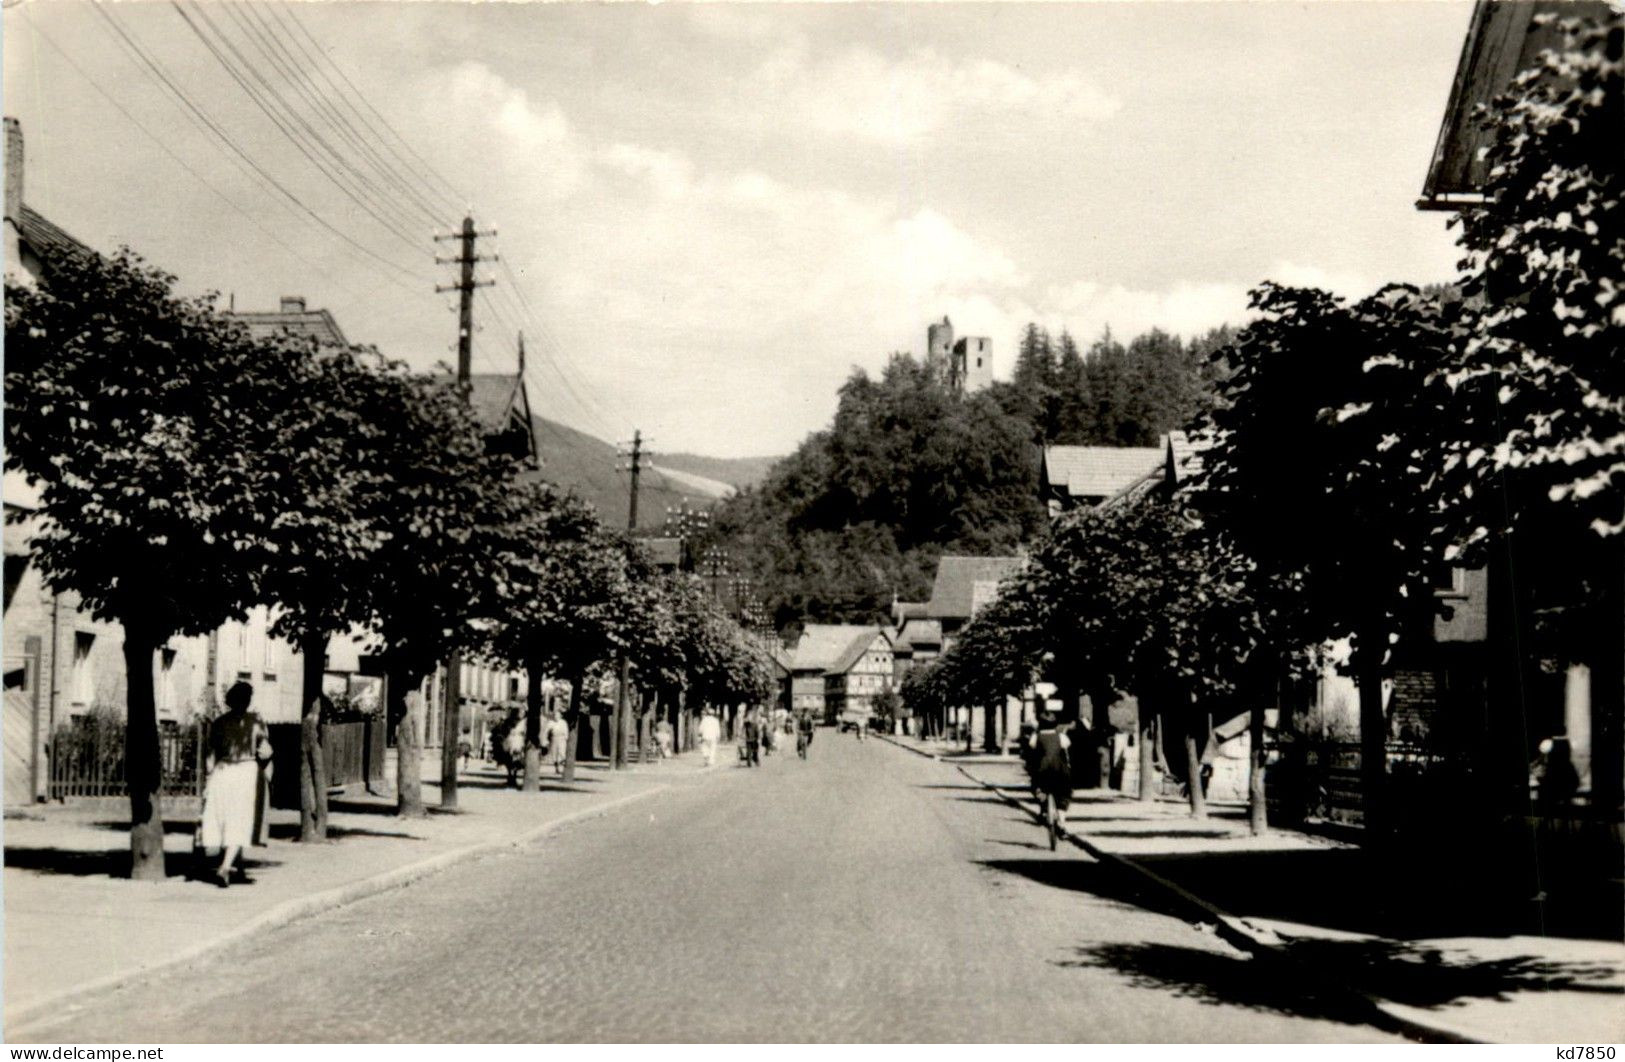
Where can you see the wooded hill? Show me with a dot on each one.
(909, 470)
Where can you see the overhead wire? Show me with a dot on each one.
(270, 44)
(218, 135)
(424, 170)
(288, 122)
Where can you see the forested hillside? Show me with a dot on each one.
(909, 470)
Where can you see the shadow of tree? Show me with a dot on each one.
(289, 831)
(1220, 979)
(170, 825)
(1425, 977)
(1210, 834)
(1309, 980)
(107, 862)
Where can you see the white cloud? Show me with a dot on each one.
(896, 101)
(486, 117)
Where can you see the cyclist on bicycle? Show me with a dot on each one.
(804, 733)
(1052, 774)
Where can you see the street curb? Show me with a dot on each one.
(888, 739)
(305, 906)
(1239, 934)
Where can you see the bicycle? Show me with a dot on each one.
(1051, 825)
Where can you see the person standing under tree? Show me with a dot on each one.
(558, 741)
(238, 744)
(710, 735)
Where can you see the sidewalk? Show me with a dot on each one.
(61, 893)
(1435, 948)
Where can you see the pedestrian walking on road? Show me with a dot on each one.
(753, 739)
(238, 744)
(710, 735)
(1052, 774)
(558, 741)
(664, 738)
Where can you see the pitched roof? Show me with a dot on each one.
(904, 611)
(954, 594)
(44, 237)
(822, 644)
(855, 650)
(316, 324)
(664, 552)
(492, 394)
(1502, 41)
(917, 631)
(1098, 471)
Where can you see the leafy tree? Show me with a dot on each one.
(1326, 422)
(331, 441)
(1533, 477)
(447, 525)
(141, 416)
(552, 604)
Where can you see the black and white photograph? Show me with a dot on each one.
(724, 523)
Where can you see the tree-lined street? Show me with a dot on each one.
(865, 894)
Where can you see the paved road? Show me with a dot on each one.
(867, 894)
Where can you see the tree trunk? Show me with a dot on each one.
(1193, 775)
(1100, 721)
(990, 728)
(1257, 806)
(451, 731)
(1373, 738)
(312, 765)
(573, 716)
(533, 727)
(143, 770)
(1147, 739)
(404, 700)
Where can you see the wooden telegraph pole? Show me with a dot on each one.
(451, 727)
(618, 732)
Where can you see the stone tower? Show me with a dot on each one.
(939, 344)
(972, 365)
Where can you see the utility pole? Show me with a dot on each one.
(618, 732)
(452, 727)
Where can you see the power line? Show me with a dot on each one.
(270, 44)
(262, 98)
(426, 168)
(217, 133)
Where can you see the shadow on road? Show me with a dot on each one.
(107, 863)
(1309, 981)
(1218, 979)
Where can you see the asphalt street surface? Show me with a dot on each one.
(866, 894)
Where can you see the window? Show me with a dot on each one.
(84, 686)
(1449, 581)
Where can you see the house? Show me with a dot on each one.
(1074, 476)
(821, 649)
(963, 585)
(916, 638)
(861, 673)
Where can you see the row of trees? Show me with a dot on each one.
(1353, 453)
(189, 472)
(1112, 394)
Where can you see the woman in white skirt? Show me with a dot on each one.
(238, 744)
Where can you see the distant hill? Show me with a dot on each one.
(586, 464)
(737, 472)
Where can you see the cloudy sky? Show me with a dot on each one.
(708, 214)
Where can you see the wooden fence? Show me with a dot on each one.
(87, 760)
